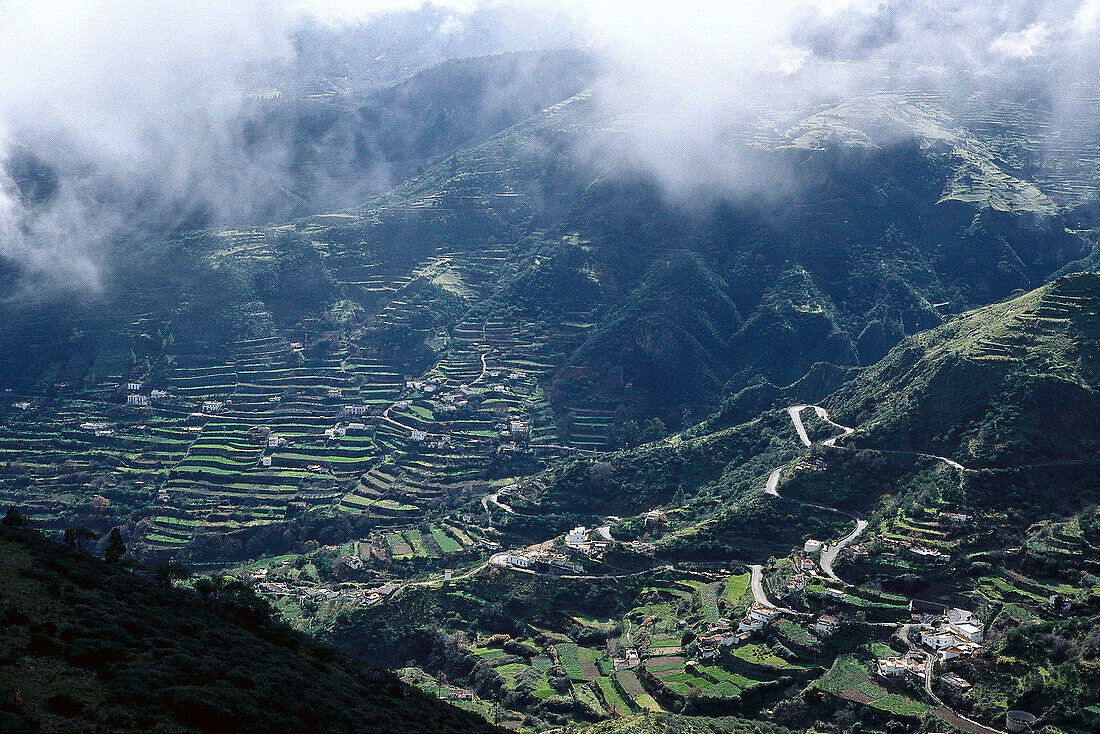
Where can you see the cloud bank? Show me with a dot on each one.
(140, 108)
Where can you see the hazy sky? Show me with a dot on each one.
(143, 98)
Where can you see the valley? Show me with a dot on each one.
(489, 415)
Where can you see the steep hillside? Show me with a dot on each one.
(1015, 382)
(86, 646)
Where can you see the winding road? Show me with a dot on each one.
(829, 554)
(756, 583)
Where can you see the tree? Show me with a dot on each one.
(80, 537)
(14, 518)
(116, 549)
(166, 573)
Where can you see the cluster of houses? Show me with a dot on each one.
(429, 386)
(351, 596)
(815, 464)
(579, 540)
(542, 561)
(340, 430)
(720, 635)
(910, 666)
(953, 634)
(100, 429)
(137, 399)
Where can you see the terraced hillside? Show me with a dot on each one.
(497, 311)
(1013, 380)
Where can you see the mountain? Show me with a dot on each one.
(1006, 384)
(85, 645)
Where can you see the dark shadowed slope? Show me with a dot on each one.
(86, 646)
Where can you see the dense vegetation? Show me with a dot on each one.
(85, 645)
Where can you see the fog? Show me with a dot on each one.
(141, 109)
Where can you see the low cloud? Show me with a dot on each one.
(139, 107)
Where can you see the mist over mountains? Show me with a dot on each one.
(590, 366)
(126, 119)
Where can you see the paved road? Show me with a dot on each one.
(773, 482)
(756, 582)
(795, 412)
(494, 499)
(437, 582)
(845, 430)
(829, 556)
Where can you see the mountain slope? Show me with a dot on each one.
(85, 646)
(1016, 381)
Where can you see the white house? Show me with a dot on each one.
(137, 400)
(334, 392)
(577, 536)
(937, 639)
(418, 436)
(353, 562)
(891, 667)
(762, 613)
(446, 574)
(357, 409)
(812, 546)
(274, 441)
(134, 386)
(357, 426)
(973, 630)
(92, 426)
(211, 406)
(517, 428)
(158, 394)
(518, 561)
(826, 625)
(626, 659)
(265, 460)
(806, 565)
(749, 624)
